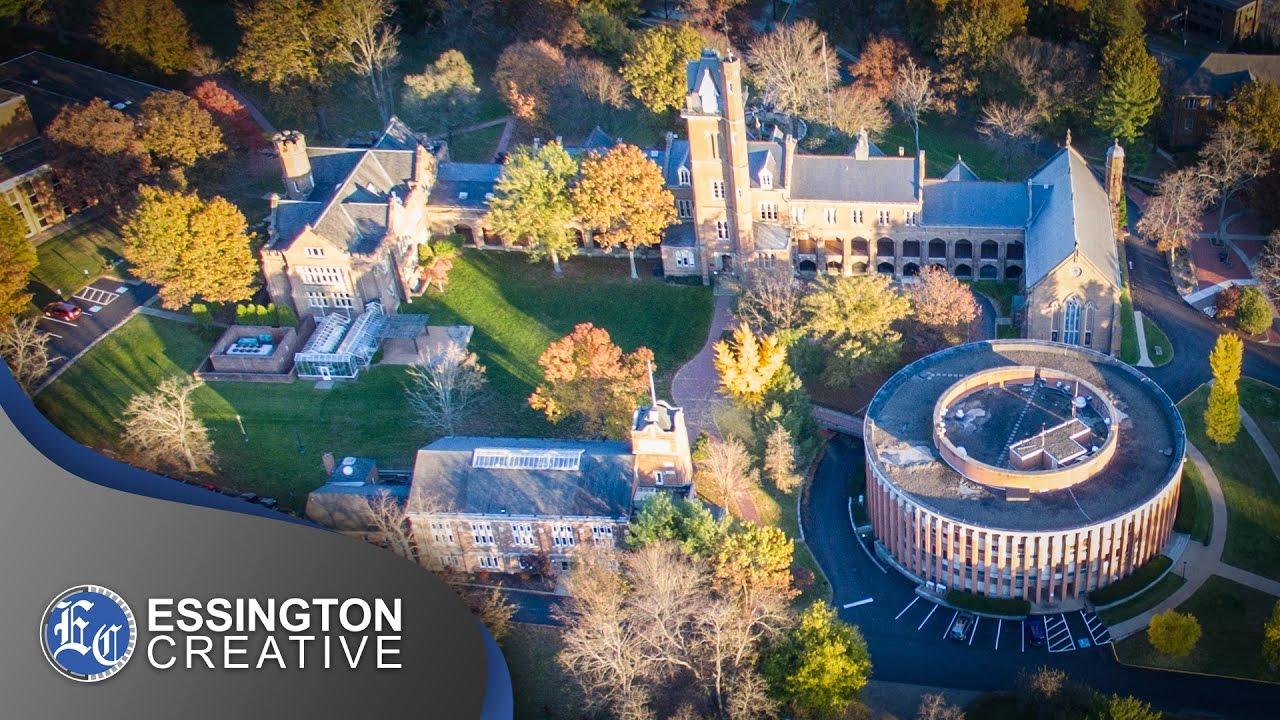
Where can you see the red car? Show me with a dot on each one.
(69, 312)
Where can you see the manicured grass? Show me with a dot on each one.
(1231, 618)
(1251, 492)
(779, 509)
(1128, 333)
(1007, 332)
(541, 688)
(1001, 293)
(94, 246)
(1140, 578)
(1167, 586)
(1195, 512)
(476, 146)
(1159, 349)
(944, 138)
(1262, 402)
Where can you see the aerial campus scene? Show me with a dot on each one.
(733, 359)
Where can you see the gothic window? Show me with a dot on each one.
(717, 189)
(682, 176)
(714, 139)
(1089, 315)
(684, 208)
(1071, 321)
(831, 216)
(315, 252)
(722, 229)
(883, 217)
(768, 211)
(857, 217)
(909, 217)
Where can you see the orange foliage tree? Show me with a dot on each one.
(589, 377)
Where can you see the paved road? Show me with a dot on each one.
(106, 303)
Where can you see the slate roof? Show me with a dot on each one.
(1071, 215)
(960, 172)
(475, 179)
(974, 203)
(672, 159)
(770, 236)
(445, 481)
(765, 155)
(680, 235)
(397, 136)
(845, 179)
(1220, 73)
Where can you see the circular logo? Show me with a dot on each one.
(88, 633)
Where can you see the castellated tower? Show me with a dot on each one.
(715, 116)
(1115, 175)
(291, 146)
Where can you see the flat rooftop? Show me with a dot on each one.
(987, 422)
(899, 439)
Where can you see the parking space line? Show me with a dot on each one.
(947, 629)
(1097, 629)
(1022, 633)
(908, 607)
(856, 603)
(95, 296)
(926, 617)
(976, 621)
(1061, 630)
(999, 627)
(60, 322)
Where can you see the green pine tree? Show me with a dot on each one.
(1130, 88)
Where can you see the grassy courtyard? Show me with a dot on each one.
(1159, 349)
(516, 309)
(542, 689)
(1195, 510)
(72, 259)
(1231, 617)
(1251, 493)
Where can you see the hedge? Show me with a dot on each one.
(1133, 584)
(990, 605)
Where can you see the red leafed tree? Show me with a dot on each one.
(230, 114)
(943, 307)
(589, 377)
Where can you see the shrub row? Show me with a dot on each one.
(984, 604)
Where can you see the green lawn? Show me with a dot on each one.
(1252, 494)
(1167, 586)
(944, 138)
(1134, 582)
(1262, 402)
(477, 146)
(1195, 511)
(92, 246)
(1128, 333)
(541, 688)
(1159, 349)
(1231, 618)
(1000, 292)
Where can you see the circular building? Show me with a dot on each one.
(1022, 469)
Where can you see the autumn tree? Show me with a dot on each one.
(1254, 315)
(1130, 92)
(527, 77)
(943, 306)
(435, 259)
(444, 386)
(1267, 267)
(852, 318)
(1172, 217)
(177, 131)
(623, 198)
(152, 32)
(605, 33)
(1229, 160)
(99, 155)
(687, 523)
(877, 66)
(532, 203)
(1271, 638)
(755, 561)
(968, 37)
(368, 43)
(489, 604)
(780, 460)
(796, 68)
(588, 377)
(162, 430)
(1126, 707)
(769, 302)
(819, 670)
(746, 363)
(725, 467)
(239, 128)
(444, 95)
(17, 260)
(1222, 413)
(913, 94)
(1173, 633)
(655, 66)
(189, 247)
(1255, 106)
(25, 347)
(288, 45)
(934, 706)
(1109, 20)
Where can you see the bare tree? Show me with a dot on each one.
(933, 706)
(1230, 159)
(913, 94)
(386, 513)
(26, 348)
(726, 466)
(1267, 268)
(855, 108)
(1055, 76)
(442, 387)
(488, 604)
(1010, 130)
(749, 697)
(796, 67)
(1172, 217)
(770, 299)
(944, 308)
(369, 43)
(162, 427)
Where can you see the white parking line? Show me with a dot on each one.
(1022, 633)
(908, 607)
(1059, 637)
(1097, 629)
(54, 335)
(94, 296)
(999, 626)
(60, 322)
(974, 633)
(951, 622)
(926, 617)
(856, 603)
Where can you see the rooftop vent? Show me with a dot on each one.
(462, 195)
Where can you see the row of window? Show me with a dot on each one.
(339, 300)
(769, 211)
(522, 534)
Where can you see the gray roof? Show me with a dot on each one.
(764, 155)
(974, 203)
(672, 159)
(445, 481)
(960, 172)
(770, 236)
(844, 179)
(679, 235)
(474, 179)
(1220, 73)
(1072, 215)
(397, 136)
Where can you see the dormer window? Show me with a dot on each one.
(682, 176)
(766, 179)
(707, 93)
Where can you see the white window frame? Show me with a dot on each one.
(441, 532)
(722, 229)
(602, 534)
(909, 217)
(563, 535)
(717, 189)
(831, 214)
(1071, 322)
(317, 299)
(768, 211)
(884, 217)
(766, 180)
(797, 213)
(343, 300)
(522, 535)
(684, 258)
(683, 177)
(490, 562)
(856, 216)
(482, 532)
(314, 252)
(684, 208)
(320, 275)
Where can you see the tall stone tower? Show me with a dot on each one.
(715, 116)
(291, 146)
(1115, 181)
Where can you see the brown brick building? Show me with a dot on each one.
(1224, 21)
(1196, 101)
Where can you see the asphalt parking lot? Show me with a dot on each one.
(106, 303)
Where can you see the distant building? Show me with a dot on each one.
(1224, 21)
(509, 505)
(33, 89)
(1196, 101)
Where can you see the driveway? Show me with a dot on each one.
(106, 303)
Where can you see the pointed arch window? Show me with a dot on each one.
(1071, 321)
(1089, 316)
(682, 176)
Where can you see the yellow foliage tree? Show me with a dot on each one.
(747, 363)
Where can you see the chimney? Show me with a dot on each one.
(920, 172)
(291, 146)
(862, 149)
(327, 460)
(423, 167)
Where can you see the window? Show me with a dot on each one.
(722, 229)
(1191, 103)
(316, 299)
(910, 217)
(682, 176)
(768, 211)
(317, 275)
(684, 208)
(482, 533)
(717, 189)
(1188, 124)
(522, 535)
(451, 561)
(857, 217)
(684, 258)
(602, 534)
(315, 252)
(342, 300)
(441, 532)
(797, 214)
(831, 216)
(766, 179)
(490, 562)
(562, 536)
(1071, 323)
(713, 138)
(883, 217)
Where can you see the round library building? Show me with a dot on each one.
(1021, 469)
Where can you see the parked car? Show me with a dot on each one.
(1035, 631)
(960, 626)
(268, 503)
(62, 310)
(250, 496)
